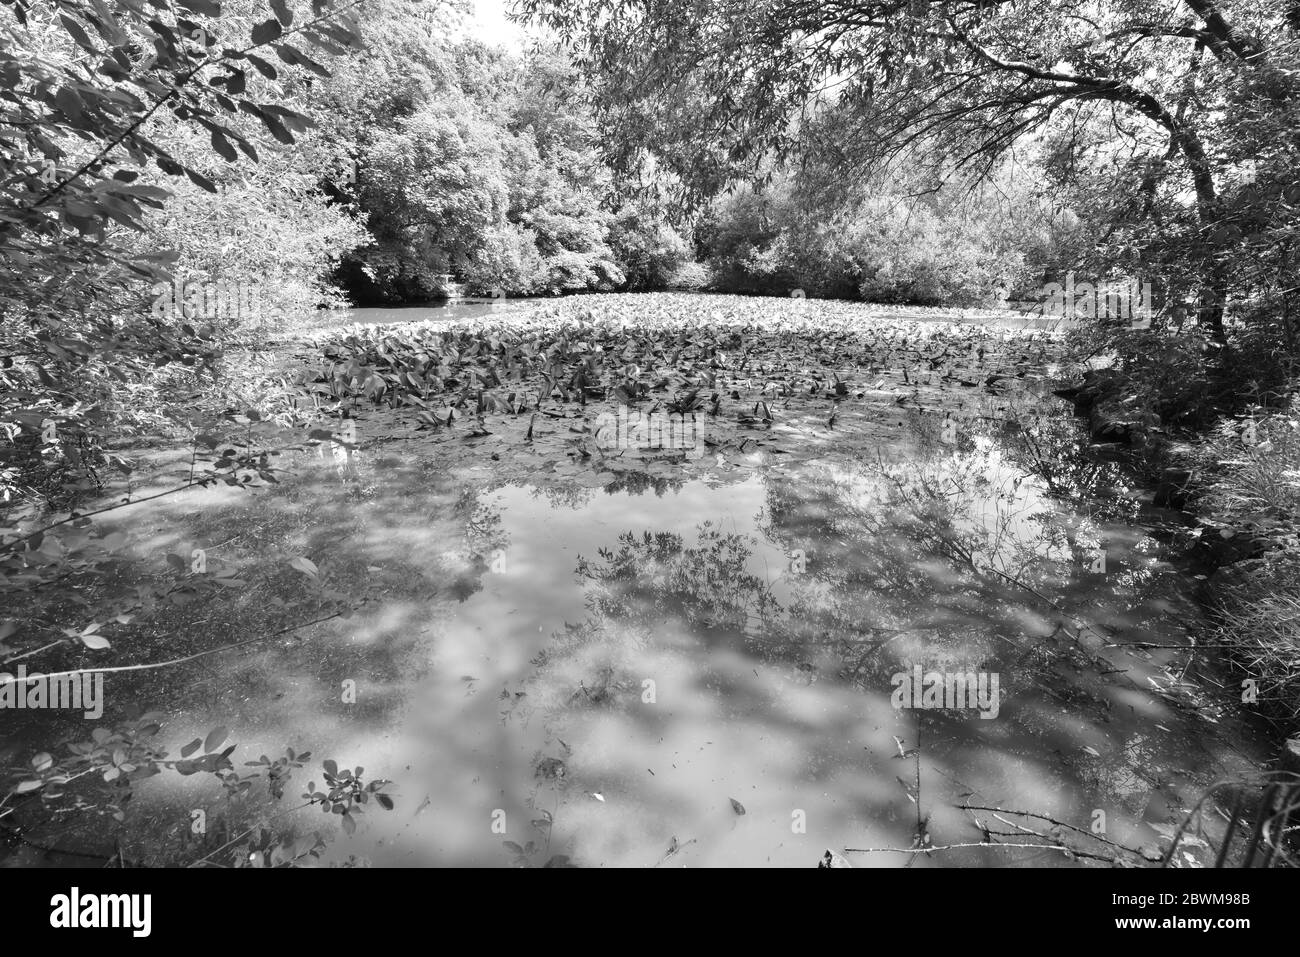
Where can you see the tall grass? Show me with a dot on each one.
(1254, 463)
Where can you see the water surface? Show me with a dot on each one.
(605, 666)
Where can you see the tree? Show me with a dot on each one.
(647, 246)
(101, 107)
(473, 162)
(82, 81)
(717, 85)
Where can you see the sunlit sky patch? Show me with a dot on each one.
(488, 23)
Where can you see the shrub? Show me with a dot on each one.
(884, 248)
(691, 277)
(1254, 492)
(647, 248)
(915, 254)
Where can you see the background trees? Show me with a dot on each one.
(1169, 129)
(887, 239)
(470, 161)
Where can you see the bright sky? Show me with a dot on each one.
(489, 24)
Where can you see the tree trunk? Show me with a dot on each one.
(1214, 289)
(1213, 296)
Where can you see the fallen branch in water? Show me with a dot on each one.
(1051, 820)
(1054, 839)
(950, 847)
(1151, 644)
(180, 661)
(1046, 841)
(673, 849)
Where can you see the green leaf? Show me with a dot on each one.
(69, 102)
(282, 11)
(222, 146)
(191, 747)
(292, 119)
(263, 67)
(201, 181)
(266, 32)
(214, 739)
(308, 63)
(95, 642)
(306, 566)
(77, 32)
(275, 128)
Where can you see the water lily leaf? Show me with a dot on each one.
(214, 739)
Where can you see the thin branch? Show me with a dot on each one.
(179, 661)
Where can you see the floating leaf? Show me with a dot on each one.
(214, 739)
(306, 566)
(831, 859)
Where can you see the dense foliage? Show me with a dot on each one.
(1171, 134)
(472, 163)
(876, 242)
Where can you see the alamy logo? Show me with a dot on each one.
(80, 692)
(224, 299)
(1119, 300)
(953, 691)
(102, 910)
(633, 429)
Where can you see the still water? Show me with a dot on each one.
(605, 668)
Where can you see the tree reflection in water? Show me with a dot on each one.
(974, 557)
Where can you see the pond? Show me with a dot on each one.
(692, 658)
(439, 310)
(446, 310)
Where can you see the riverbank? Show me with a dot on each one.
(1241, 479)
